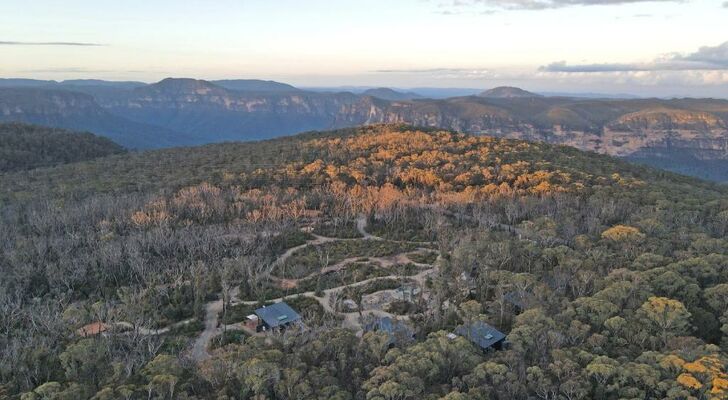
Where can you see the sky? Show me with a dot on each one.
(655, 48)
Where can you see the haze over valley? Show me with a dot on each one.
(689, 136)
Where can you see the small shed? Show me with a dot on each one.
(276, 316)
(482, 335)
(252, 321)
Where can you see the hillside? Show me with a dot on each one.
(151, 262)
(208, 113)
(76, 83)
(173, 87)
(507, 92)
(652, 130)
(390, 94)
(255, 85)
(180, 112)
(80, 112)
(25, 147)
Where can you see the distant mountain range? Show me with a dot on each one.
(255, 85)
(508, 92)
(683, 135)
(390, 94)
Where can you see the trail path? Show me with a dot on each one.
(361, 225)
(199, 352)
(152, 331)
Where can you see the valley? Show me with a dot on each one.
(688, 136)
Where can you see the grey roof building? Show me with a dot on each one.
(278, 315)
(483, 335)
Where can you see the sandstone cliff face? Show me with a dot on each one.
(616, 127)
(188, 112)
(78, 111)
(210, 113)
(190, 95)
(701, 134)
(48, 104)
(450, 115)
(668, 119)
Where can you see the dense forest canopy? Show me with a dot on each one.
(24, 147)
(129, 276)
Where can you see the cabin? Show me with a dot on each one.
(274, 317)
(397, 331)
(482, 335)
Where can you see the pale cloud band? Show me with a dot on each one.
(707, 58)
(536, 4)
(444, 74)
(78, 44)
(708, 66)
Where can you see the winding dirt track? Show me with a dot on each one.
(198, 351)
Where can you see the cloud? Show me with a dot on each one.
(446, 73)
(704, 70)
(716, 55)
(462, 11)
(77, 44)
(707, 58)
(65, 70)
(535, 4)
(638, 79)
(426, 70)
(725, 4)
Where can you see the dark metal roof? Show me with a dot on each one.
(481, 334)
(277, 314)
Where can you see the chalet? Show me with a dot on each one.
(274, 317)
(397, 331)
(482, 335)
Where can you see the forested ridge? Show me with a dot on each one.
(610, 280)
(24, 147)
(687, 136)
